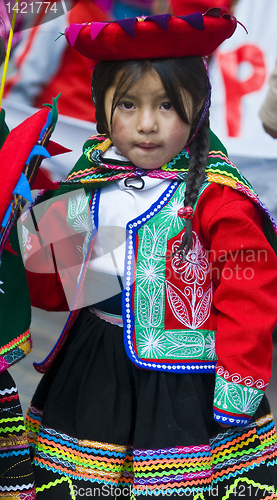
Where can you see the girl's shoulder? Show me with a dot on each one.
(220, 170)
(233, 187)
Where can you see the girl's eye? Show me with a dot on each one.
(166, 105)
(126, 105)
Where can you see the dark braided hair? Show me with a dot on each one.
(189, 74)
(199, 150)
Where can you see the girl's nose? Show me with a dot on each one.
(147, 121)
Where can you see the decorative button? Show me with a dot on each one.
(185, 212)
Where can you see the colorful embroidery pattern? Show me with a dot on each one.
(219, 169)
(242, 449)
(148, 335)
(77, 459)
(172, 469)
(16, 476)
(192, 306)
(237, 400)
(222, 463)
(15, 350)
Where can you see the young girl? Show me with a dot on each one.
(164, 255)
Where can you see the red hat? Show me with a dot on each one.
(162, 36)
(185, 7)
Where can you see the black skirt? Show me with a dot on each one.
(99, 426)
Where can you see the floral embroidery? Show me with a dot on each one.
(152, 343)
(236, 398)
(192, 306)
(150, 306)
(154, 242)
(196, 265)
(210, 346)
(150, 272)
(77, 204)
(170, 211)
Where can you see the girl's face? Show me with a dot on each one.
(146, 128)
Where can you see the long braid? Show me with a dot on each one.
(199, 150)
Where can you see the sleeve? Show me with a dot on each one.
(244, 273)
(52, 258)
(268, 111)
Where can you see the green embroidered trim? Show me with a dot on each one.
(235, 398)
(176, 344)
(153, 341)
(230, 171)
(14, 419)
(199, 496)
(90, 169)
(184, 153)
(59, 481)
(258, 486)
(13, 429)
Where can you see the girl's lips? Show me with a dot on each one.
(147, 145)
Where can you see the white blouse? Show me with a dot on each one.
(120, 202)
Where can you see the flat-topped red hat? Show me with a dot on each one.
(153, 37)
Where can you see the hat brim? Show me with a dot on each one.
(152, 37)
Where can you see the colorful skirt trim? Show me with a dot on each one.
(239, 459)
(16, 475)
(99, 425)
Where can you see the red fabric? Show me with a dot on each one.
(55, 149)
(52, 290)
(244, 270)
(152, 41)
(43, 181)
(15, 152)
(186, 7)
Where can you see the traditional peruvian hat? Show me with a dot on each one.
(162, 36)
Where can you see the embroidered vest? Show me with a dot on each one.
(166, 304)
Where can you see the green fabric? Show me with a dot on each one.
(15, 308)
(4, 131)
(235, 398)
